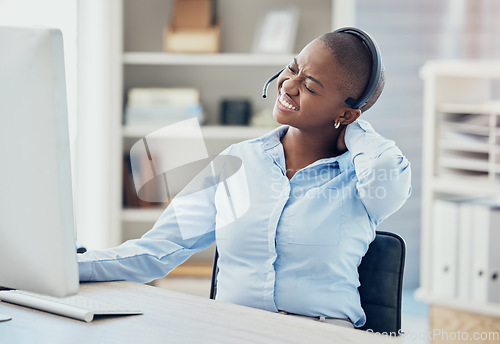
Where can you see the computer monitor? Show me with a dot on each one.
(37, 237)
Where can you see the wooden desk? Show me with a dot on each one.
(171, 317)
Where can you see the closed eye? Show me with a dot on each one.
(305, 85)
(294, 71)
(310, 90)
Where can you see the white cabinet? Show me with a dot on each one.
(461, 159)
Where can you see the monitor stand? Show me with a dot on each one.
(4, 317)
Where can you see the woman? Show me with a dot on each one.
(299, 206)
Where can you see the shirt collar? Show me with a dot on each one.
(273, 139)
(343, 161)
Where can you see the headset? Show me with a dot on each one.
(375, 70)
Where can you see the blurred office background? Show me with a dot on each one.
(100, 75)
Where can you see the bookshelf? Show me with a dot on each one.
(461, 155)
(221, 59)
(210, 132)
(121, 47)
(233, 73)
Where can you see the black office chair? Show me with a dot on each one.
(381, 278)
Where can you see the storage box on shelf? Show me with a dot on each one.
(194, 28)
(461, 169)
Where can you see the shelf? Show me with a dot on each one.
(487, 69)
(487, 108)
(466, 164)
(141, 214)
(191, 269)
(222, 59)
(464, 146)
(209, 132)
(468, 128)
(463, 186)
(462, 165)
(489, 309)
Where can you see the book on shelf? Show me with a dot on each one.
(485, 258)
(164, 161)
(466, 261)
(465, 255)
(131, 198)
(162, 106)
(444, 246)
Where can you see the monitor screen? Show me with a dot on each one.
(37, 244)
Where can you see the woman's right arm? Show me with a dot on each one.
(186, 226)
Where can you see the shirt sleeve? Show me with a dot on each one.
(186, 226)
(383, 172)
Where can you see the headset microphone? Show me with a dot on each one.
(266, 85)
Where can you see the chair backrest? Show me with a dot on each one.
(215, 271)
(381, 278)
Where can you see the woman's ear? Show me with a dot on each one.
(349, 116)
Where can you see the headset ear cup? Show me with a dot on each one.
(376, 69)
(271, 79)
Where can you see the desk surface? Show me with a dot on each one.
(171, 317)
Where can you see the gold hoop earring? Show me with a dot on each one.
(337, 125)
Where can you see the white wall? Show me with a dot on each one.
(408, 34)
(60, 14)
(99, 123)
(90, 53)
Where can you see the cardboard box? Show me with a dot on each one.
(192, 14)
(192, 40)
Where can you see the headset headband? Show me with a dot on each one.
(375, 70)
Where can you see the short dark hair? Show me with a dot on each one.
(354, 57)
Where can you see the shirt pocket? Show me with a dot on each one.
(316, 219)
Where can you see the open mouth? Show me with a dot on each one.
(283, 101)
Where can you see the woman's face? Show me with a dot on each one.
(308, 90)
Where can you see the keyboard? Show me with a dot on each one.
(77, 307)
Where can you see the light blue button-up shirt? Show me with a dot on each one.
(291, 245)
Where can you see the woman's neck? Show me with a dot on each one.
(303, 148)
